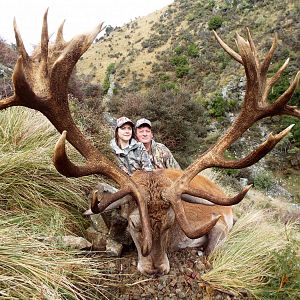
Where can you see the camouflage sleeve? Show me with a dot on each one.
(171, 162)
(121, 164)
(168, 159)
(145, 159)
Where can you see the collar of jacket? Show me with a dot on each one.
(133, 144)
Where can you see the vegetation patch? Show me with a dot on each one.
(259, 259)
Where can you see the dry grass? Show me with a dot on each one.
(248, 261)
(32, 269)
(37, 203)
(122, 41)
(28, 179)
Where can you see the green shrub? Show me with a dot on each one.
(215, 22)
(193, 50)
(263, 180)
(179, 60)
(164, 77)
(286, 284)
(218, 106)
(178, 50)
(182, 71)
(168, 86)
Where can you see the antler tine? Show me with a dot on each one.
(20, 44)
(254, 108)
(266, 63)
(230, 51)
(65, 63)
(279, 106)
(252, 45)
(185, 225)
(92, 166)
(60, 36)
(292, 111)
(44, 43)
(252, 70)
(271, 81)
(216, 199)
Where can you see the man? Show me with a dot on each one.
(161, 157)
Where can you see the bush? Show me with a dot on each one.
(263, 180)
(111, 69)
(193, 50)
(218, 106)
(178, 50)
(168, 86)
(177, 119)
(182, 71)
(179, 60)
(215, 23)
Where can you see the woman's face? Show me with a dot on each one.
(125, 133)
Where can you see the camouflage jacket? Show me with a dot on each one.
(133, 157)
(161, 157)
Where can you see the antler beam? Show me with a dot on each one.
(41, 83)
(255, 107)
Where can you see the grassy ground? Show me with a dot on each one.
(36, 202)
(260, 258)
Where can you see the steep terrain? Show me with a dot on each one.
(173, 51)
(144, 50)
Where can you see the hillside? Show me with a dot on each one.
(198, 87)
(168, 67)
(143, 49)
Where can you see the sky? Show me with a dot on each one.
(80, 15)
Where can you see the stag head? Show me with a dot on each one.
(41, 83)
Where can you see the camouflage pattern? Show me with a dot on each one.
(161, 157)
(133, 157)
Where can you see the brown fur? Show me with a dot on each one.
(167, 235)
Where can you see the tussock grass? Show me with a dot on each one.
(28, 179)
(256, 258)
(36, 203)
(32, 269)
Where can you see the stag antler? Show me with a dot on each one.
(254, 108)
(41, 83)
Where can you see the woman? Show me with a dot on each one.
(131, 155)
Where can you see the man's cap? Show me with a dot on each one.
(121, 121)
(141, 122)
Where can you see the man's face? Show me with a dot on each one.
(144, 134)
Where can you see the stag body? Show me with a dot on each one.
(166, 231)
(41, 82)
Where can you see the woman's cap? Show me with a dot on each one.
(141, 122)
(121, 121)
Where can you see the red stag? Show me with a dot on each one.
(162, 216)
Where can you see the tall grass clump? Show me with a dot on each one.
(28, 179)
(259, 259)
(31, 268)
(37, 206)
